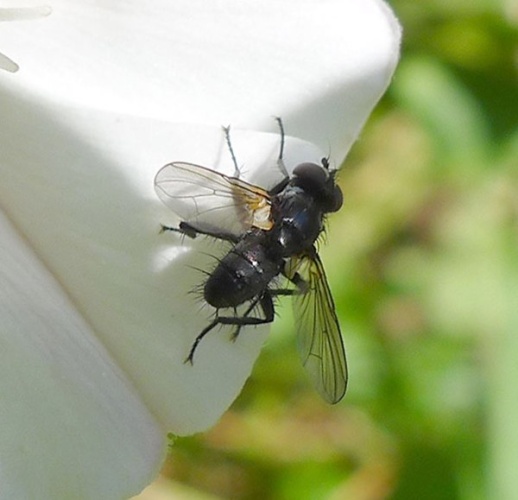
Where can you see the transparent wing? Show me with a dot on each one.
(319, 339)
(212, 201)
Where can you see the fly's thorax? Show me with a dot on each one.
(298, 221)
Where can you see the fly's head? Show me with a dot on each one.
(319, 182)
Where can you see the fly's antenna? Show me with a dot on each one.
(280, 160)
(327, 166)
(237, 172)
(325, 163)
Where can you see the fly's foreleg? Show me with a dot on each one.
(280, 159)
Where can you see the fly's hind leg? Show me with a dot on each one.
(265, 302)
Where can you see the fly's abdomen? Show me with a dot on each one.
(245, 272)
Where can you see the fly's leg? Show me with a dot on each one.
(280, 160)
(266, 303)
(280, 163)
(278, 119)
(266, 300)
(301, 284)
(237, 171)
(267, 306)
(186, 229)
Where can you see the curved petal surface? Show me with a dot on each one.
(70, 421)
(105, 96)
(97, 229)
(320, 64)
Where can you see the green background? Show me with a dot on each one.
(423, 264)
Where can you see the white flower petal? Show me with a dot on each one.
(8, 64)
(77, 183)
(99, 234)
(80, 184)
(18, 15)
(322, 65)
(24, 13)
(70, 421)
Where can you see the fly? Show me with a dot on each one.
(272, 233)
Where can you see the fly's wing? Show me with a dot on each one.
(211, 201)
(319, 339)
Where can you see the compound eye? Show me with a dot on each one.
(338, 199)
(311, 172)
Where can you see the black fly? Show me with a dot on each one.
(272, 232)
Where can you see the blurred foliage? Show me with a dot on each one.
(424, 261)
